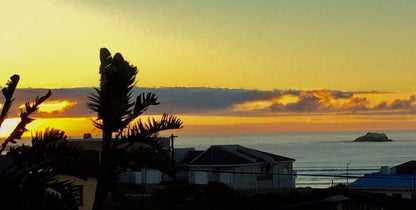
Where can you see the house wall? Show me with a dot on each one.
(403, 193)
(238, 176)
(182, 174)
(145, 176)
(245, 176)
(283, 175)
(88, 189)
(135, 177)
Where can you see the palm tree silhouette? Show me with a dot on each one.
(115, 111)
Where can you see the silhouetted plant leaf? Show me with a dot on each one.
(8, 95)
(30, 108)
(115, 112)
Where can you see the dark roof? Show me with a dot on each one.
(180, 154)
(276, 157)
(406, 168)
(190, 155)
(384, 181)
(234, 154)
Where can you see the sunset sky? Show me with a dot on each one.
(222, 66)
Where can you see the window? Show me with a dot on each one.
(267, 168)
(226, 178)
(286, 170)
(264, 177)
(153, 176)
(78, 194)
(201, 177)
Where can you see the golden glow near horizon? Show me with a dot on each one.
(264, 45)
(76, 127)
(71, 126)
(8, 126)
(253, 105)
(53, 106)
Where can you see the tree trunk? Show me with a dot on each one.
(104, 177)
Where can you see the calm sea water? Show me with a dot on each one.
(318, 153)
(321, 153)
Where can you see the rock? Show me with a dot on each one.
(373, 137)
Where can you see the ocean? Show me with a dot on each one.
(321, 157)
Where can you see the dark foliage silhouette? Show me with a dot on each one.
(27, 173)
(115, 111)
(27, 178)
(29, 109)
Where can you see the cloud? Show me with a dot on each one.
(56, 106)
(71, 102)
(322, 101)
(325, 101)
(397, 104)
(175, 100)
(307, 102)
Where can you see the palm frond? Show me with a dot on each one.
(63, 157)
(48, 136)
(144, 155)
(150, 129)
(143, 101)
(8, 95)
(94, 101)
(39, 190)
(167, 122)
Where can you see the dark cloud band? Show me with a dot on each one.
(220, 101)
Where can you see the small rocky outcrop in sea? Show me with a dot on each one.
(373, 137)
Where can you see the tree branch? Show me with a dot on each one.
(8, 95)
(18, 131)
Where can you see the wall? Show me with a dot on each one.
(283, 177)
(145, 176)
(240, 177)
(88, 189)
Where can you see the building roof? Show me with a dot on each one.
(234, 154)
(384, 181)
(408, 167)
(185, 155)
(190, 155)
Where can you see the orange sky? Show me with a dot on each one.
(365, 50)
(75, 127)
(346, 45)
(255, 116)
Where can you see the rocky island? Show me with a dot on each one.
(373, 137)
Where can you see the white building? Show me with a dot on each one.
(145, 176)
